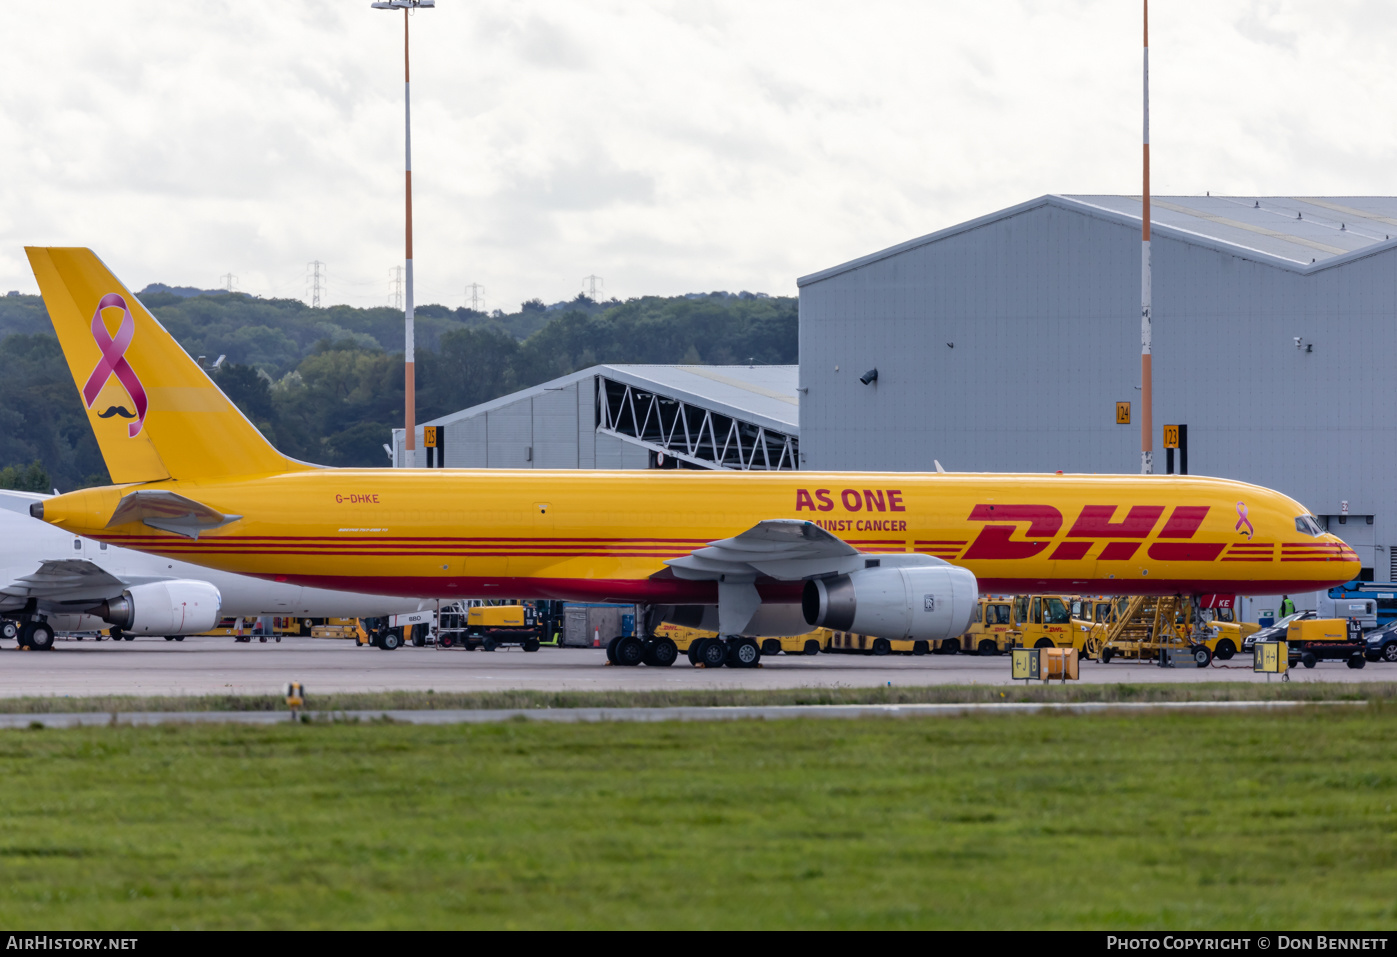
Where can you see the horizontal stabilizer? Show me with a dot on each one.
(169, 512)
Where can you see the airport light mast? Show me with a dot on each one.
(409, 343)
(1146, 345)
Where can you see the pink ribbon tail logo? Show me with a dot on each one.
(1243, 520)
(113, 363)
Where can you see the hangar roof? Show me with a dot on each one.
(1297, 233)
(762, 395)
(1300, 229)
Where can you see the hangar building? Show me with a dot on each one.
(1004, 344)
(628, 417)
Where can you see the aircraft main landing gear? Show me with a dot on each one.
(630, 650)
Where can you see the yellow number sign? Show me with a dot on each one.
(1122, 413)
(1171, 436)
(429, 436)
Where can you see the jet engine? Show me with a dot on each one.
(918, 603)
(176, 607)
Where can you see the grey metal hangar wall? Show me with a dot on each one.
(1004, 344)
(627, 417)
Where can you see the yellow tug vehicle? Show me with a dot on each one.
(992, 632)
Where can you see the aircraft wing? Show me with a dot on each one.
(169, 512)
(71, 579)
(786, 549)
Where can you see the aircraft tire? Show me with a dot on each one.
(693, 650)
(23, 636)
(40, 636)
(611, 649)
(714, 653)
(744, 653)
(661, 653)
(1202, 657)
(630, 651)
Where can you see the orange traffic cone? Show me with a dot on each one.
(596, 637)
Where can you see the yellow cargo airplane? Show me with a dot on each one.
(893, 555)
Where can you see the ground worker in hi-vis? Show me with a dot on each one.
(1287, 606)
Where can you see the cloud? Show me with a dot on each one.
(669, 146)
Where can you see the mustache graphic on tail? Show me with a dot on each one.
(116, 410)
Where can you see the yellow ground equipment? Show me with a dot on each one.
(1316, 639)
(1044, 621)
(1089, 615)
(849, 643)
(991, 633)
(339, 628)
(1229, 633)
(1146, 628)
(808, 644)
(487, 626)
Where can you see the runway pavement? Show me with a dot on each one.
(153, 666)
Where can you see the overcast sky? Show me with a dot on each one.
(668, 147)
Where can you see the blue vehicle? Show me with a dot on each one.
(1378, 600)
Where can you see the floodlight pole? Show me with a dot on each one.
(409, 342)
(1146, 294)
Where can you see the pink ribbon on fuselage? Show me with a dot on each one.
(1243, 520)
(113, 361)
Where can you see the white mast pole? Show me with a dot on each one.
(1146, 344)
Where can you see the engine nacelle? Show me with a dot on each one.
(918, 603)
(177, 607)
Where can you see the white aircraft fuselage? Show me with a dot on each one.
(26, 543)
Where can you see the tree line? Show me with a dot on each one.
(326, 385)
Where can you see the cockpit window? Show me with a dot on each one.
(1309, 525)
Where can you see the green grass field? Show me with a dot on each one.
(1199, 820)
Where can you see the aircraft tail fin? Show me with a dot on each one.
(156, 414)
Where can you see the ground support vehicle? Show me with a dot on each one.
(1276, 632)
(991, 633)
(1379, 602)
(488, 626)
(1089, 614)
(1149, 628)
(1044, 621)
(1229, 635)
(686, 639)
(1381, 644)
(848, 643)
(1317, 639)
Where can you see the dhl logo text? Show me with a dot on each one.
(1093, 524)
